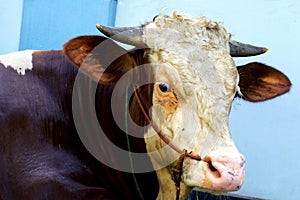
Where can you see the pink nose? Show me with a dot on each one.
(224, 173)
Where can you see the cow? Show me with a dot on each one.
(97, 121)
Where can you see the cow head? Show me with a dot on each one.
(195, 83)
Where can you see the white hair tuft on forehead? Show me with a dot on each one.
(165, 31)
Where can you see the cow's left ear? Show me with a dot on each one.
(259, 82)
(101, 58)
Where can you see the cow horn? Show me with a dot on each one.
(238, 49)
(133, 36)
(126, 35)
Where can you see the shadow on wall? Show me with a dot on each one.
(197, 194)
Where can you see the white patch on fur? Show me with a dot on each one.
(198, 50)
(19, 61)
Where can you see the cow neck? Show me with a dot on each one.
(177, 170)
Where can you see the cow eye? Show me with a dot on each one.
(164, 87)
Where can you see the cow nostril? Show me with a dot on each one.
(213, 170)
(211, 167)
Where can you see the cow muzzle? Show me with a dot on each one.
(216, 173)
(223, 173)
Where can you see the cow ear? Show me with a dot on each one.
(259, 82)
(99, 57)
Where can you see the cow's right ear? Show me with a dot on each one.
(259, 82)
(99, 57)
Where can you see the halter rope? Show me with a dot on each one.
(177, 170)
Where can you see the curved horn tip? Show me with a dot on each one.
(238, 49)
(126, 35)
(101, 28)
(98, 26)
(265, 49)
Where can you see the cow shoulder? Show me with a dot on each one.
(259, 82)
(99, 57)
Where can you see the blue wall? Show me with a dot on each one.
(10, 23)
(48, 24)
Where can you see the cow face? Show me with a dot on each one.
(196, 81)
(192, 96)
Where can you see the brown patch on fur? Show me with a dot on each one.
(167, 99)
